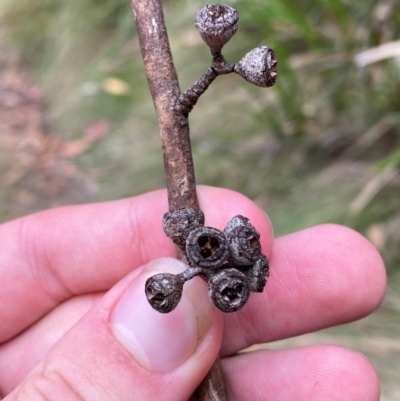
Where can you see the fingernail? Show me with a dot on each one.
(162, 342)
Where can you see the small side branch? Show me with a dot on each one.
(185, 103)
(187, 100)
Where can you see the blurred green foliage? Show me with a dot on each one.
(315, 148)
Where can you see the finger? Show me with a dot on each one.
(47, 257)
(22, 353)
(328, 373)
(314, 284)
(320, 277)
(123, 347)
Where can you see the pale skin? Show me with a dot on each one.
(63, 272)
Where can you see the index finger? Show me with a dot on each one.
(320, 277)
(48, 257)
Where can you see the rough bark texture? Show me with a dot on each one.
(164, 87)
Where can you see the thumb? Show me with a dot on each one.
(123, 349)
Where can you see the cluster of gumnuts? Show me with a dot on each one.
(231, 261)
(217, 24)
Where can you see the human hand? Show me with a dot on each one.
(76, 325)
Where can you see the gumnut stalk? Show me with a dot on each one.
(259, 67)
(216, 24)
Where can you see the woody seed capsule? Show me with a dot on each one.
(207, 247)
(178, 224)
(228, 290)
(216, 24)
(258, 274)
(259, 67)
(244, 241)
(164, 291)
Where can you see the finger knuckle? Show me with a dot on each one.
(48, 385)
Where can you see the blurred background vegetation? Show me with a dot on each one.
(323, 145)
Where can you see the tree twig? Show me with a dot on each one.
(164, 87)
(174, 131)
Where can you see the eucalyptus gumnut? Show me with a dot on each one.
(244, 241)
(228, 290)
(178, 224)
(258, 274)
(216, 24)
(164, 291)
(207, 247)
(258, 66)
